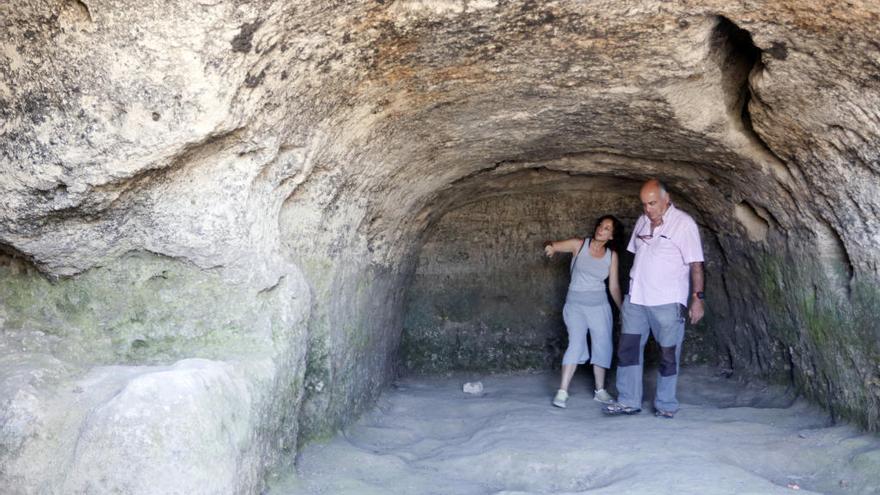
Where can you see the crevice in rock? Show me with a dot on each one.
(17, 260)
(85, 8)
(211, 145)
(740, 62)
(736, 55)
(272, 287)
(242, 42)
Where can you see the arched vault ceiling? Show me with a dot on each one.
(114, 110)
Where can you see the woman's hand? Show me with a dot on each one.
(548, 249)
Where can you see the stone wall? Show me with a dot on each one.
(484, 298)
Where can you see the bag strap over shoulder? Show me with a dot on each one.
(578, 254)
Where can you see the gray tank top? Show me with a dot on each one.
(588, 274)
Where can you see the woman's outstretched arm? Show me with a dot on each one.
(567, 246)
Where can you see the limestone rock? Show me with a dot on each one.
(287, 160)
(473, 388)
(177, 430)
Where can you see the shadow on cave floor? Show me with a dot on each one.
(426, 436)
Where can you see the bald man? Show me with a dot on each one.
(666, 277)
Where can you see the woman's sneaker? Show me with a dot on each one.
(561, 397)
(603, 396)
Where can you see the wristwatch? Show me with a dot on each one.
(700, 295)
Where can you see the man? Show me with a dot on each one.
(666, 244)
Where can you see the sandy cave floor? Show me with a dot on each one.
(426, 436)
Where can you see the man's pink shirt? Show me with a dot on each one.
(661, 270)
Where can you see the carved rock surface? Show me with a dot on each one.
(293, 156)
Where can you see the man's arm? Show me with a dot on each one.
(696, 309)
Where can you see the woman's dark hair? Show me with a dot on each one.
(617, 242)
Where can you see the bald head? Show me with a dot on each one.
(654, 185)
(655, 200)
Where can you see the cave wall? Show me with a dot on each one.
(153, 335)
(294, 154)
(484, 298)
(798, 315)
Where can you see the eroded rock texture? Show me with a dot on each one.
(225, 200)
(484, 297)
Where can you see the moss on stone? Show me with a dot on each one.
(348, 359)
(770, 277)
(832, 335)
(140, 309)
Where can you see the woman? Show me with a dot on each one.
(586, 305)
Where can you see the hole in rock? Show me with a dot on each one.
(16, 261)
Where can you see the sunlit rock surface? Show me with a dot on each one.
(283, 163)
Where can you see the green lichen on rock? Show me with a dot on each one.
(770, 277)
(148, 316)
(831, 334)
(138, 309)
(350, 357)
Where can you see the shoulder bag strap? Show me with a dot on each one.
(578, 254)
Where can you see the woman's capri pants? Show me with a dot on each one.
(588, 313)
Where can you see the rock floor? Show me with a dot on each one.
(426, 436)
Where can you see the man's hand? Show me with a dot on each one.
(696, 310)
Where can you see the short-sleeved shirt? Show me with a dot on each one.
(661, 270)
